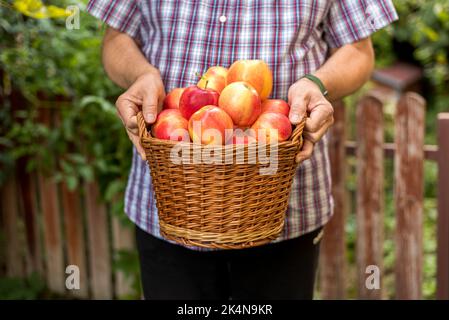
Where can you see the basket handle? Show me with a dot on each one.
(142, 127)
(297, 131)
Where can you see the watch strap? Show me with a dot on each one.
(318, 82)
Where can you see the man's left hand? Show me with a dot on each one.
(305, 97)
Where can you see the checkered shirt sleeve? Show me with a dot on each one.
(349, 21)
(123, 15)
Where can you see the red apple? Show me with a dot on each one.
(171, 100)
(276, 106)
(272, 127)
(214, 78)
(194, 98)
(210, 125)
(256, 72)
(171, 125)
(241, 101)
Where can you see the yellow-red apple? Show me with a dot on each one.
(272, 127)
(194, 98)
(214, 78)
(171, 125)
(277, 106)
(241, 101)
(256, 72)
(171, 100)
(210, 125)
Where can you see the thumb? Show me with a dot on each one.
(297, 110)
(149, 108)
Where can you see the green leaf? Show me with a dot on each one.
(72, 182)
(77, 158)
(86, 172)
(100, 101)
(66, 167)
(113, 189)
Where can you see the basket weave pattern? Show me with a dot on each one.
(226, 206)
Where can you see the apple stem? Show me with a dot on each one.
(205, 86)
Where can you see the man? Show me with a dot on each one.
(153, 46)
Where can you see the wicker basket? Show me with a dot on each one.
(226, 206)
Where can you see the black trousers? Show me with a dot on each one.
(284, 270)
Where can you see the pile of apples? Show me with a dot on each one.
(229, 101)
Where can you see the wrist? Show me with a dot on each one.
(305, 85)
(147, 72)
(316, 82)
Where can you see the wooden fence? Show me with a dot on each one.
(48, 227)
(45, 227)
(409, 152)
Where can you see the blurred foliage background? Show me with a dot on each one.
(43, 62)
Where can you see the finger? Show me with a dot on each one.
(149, 107)
(127, 111)
(135, 140)
(316, 136)
(319, 115)
(306, 151)
(298, 108)
(160, 101)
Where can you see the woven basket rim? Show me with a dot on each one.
(145, 135)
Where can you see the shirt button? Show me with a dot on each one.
(223, 19)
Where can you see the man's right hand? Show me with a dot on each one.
(147, 94)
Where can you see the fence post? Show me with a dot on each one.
(123, 240)
(99, 250)
(54, 257)
(333, 246)
(28, 201)
(52, 234)
(443, 208)
(370, 196)
(74, 229)
(73, 221)
(409, 188)
(10, 217)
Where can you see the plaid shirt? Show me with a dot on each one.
(184, 37)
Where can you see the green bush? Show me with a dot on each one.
(45, 67)
(30, 288)
(423, 26)
(60, 69)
